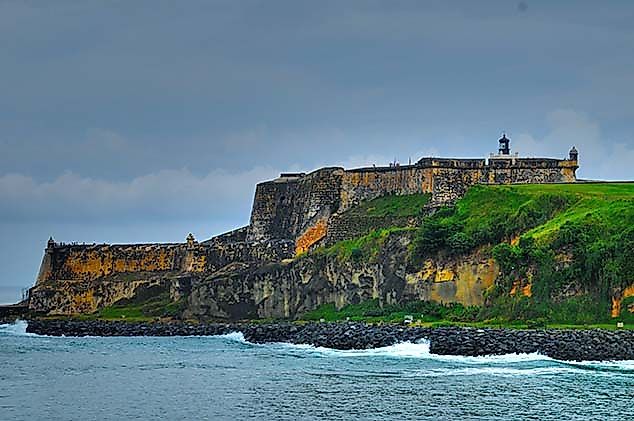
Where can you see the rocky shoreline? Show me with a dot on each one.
(556, 343)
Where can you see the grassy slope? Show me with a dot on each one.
(397, 206)
(540, 215)
(150, 309)
(610, 201)
(368, 246)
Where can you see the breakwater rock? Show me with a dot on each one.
(559, 344)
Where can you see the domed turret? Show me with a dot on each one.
(573, 155)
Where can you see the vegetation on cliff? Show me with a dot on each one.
(565, 251)
(395, 206)
(144, 309)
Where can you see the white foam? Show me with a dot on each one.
(420, 350)
(234, 337)
(495, 364)
(495, 371)
(624, 366)
(17, 328)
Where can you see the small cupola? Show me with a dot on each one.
(504, 145)
(573, 155)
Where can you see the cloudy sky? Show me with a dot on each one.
(142, 121)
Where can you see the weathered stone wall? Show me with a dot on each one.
(286, 208)
(82, 278)
(369, 183)
(301, 208)
(349, 225)
(235, 236)
(290, 289)
(218, 256)
(89, 262)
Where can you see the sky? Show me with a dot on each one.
(143, 121)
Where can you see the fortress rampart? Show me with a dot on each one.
(72, 262)
(299, 207)
(290, 215)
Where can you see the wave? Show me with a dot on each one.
(419, 350)
(624, 367)
(233, 337)
(17, 328)
(488, 364)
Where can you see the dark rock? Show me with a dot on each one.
(558, 344)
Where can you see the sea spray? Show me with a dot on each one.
(17, 328)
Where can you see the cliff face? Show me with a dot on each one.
(76, 279)
(553, 251)
(85, 297)
(290, 289)
(272, 287)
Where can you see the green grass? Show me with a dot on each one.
(159, 306)
(607, 200)
(372, 311)
(366, 247)
(491, 214)
(395, 206)
(430, 314)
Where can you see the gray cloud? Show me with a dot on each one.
(140, 121)
(600, 158)
(163, 195)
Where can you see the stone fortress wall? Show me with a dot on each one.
(78, 262)
(290, 215)
(301, 207)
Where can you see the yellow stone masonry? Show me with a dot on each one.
(310, 237)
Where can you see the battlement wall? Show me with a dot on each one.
(299, 207)
(284, 207)
(92, 262)
(89, 262)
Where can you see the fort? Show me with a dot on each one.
(303, 207)
(291, 215)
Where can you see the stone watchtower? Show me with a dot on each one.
(191, 242)
(573, 155)
(48, 261)
(504, 145)
(50, 245)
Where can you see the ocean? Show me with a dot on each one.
(226, 378)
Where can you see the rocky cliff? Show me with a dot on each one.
(278, 288)
(498, 234)
(289, 289)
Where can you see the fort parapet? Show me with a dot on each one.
(299, 207)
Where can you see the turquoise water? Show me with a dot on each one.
(226, 378)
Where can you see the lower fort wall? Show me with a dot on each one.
(92, 262)
(89, 262)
